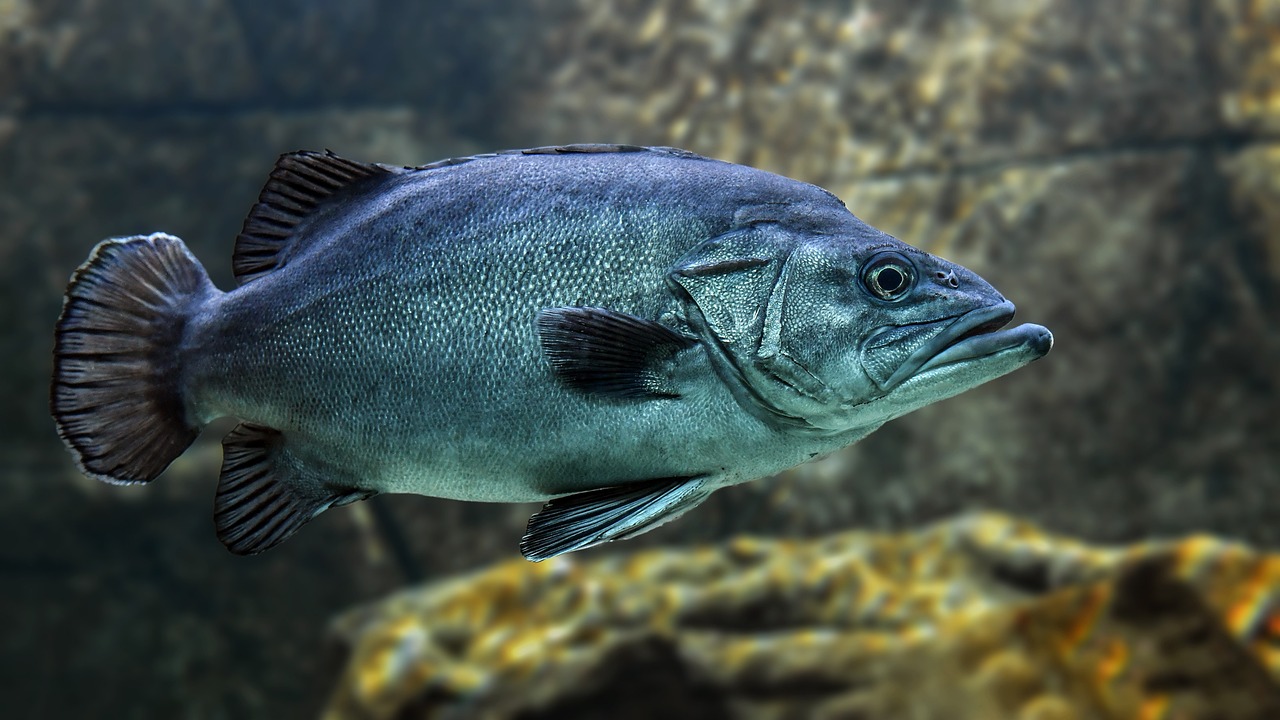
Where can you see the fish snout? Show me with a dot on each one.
(946, 278)
(958, 283)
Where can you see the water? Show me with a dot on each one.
(1111, 169)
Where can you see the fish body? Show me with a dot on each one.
(615, 330)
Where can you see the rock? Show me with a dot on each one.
(980, 617)
(440, 57)
(833, 92)
(89, 56)
(1245, 50)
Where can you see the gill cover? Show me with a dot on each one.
(740, 292)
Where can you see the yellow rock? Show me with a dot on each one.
(981, 617)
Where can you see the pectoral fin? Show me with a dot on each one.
(616, 513)
(610, 353)
(266, 493)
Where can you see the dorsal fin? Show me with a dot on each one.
(577, 149)
(300, 182)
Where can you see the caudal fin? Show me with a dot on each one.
(116, 395)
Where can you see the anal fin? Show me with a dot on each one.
(266, 493)
(594, 517)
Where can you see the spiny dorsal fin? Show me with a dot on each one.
(265, 493)
(300, 182)
(607, 352)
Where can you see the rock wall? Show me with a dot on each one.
(1111, 167)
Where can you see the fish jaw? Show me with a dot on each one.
(940, 337)
(974, 349)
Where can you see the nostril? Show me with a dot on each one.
(947, 278)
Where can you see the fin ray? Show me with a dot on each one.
(607, 352)
(116, 394)
(300, 183)
(266, 495)
(594, 517)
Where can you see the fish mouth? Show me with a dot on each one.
(975, 334)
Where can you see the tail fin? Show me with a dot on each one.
(117, 397)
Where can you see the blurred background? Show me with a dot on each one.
(1112, 168)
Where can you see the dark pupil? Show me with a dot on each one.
(889, 280)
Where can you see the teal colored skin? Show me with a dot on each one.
(397, 348)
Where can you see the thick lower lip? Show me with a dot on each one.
(1034, 337)
(974, 334)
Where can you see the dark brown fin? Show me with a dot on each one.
(266, 493)
(300, 183)
(117, 392)
(590, 518)
(611, 353)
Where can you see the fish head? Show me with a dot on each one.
(831, 332)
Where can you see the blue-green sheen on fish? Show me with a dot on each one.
(616, 331)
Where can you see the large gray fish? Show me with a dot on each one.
(615, 330)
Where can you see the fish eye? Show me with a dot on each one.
(888, 276)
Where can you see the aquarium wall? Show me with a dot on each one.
(1113, 168)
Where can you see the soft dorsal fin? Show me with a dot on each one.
(266, 494)
(300, 182)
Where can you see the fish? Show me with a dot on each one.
(614, 331)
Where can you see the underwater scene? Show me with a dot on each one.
(415, 312)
